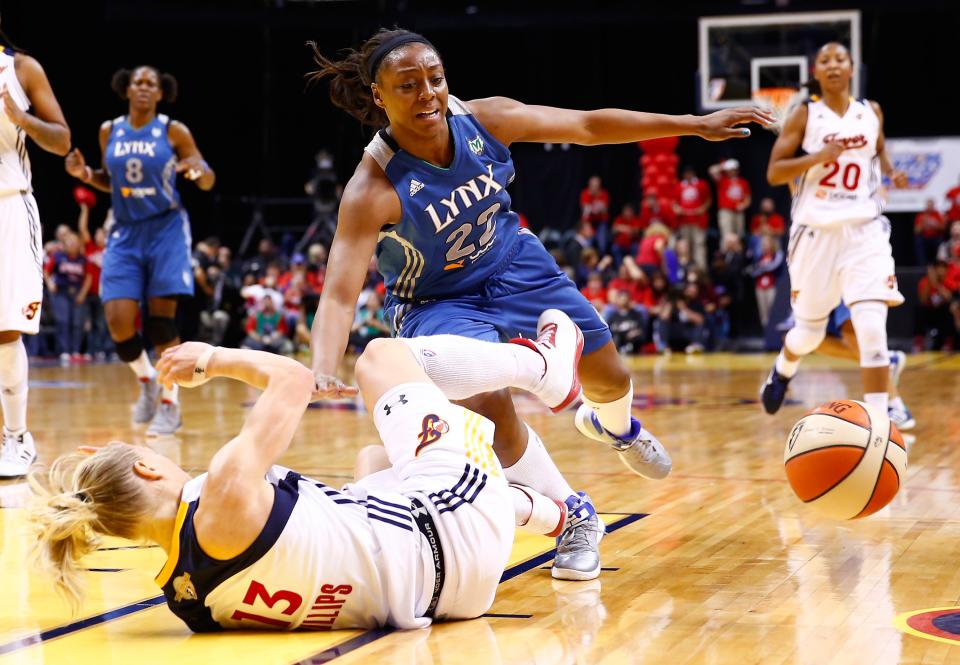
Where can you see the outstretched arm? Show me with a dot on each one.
(46, 125)
(237, 499)
(510, 121)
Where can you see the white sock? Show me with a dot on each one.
(535, 469)
(897, 403)
(615, 415)
(786, 368)
(142, 367)
(170, 394)
(536, 513)
(13, 385)
(879, 400)
(463, 367)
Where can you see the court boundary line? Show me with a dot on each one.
(368, 637)
(323, 657)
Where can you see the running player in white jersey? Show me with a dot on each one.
(29, 109)
(268, 548)
(840, 241)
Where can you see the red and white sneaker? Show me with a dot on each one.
(560, 343)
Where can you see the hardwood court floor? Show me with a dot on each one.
(727, 567)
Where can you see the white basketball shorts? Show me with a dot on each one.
(442, 456)
(21, 263)
(852, 262)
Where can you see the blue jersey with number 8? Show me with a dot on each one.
(142, 167)
(456, 228)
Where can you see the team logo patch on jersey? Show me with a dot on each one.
(184, 588)
(415, 186)
(30, 311)
(137, 192)
(476, 145)
(433, 428)
(156, 132)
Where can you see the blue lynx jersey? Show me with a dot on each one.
(142, 166)
(456, 228)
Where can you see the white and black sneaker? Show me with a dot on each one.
(16, 454)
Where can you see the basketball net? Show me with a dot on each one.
(777, 101)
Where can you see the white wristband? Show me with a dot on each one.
(200, 375)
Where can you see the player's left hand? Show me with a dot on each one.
(176, 365)
(725, 124)
(192, 167)
(15, 114)
(899, 179)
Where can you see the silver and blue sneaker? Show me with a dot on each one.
(146, 407)
(167, 419)
(901, 418)
(898, 363)
(578, 547)
(638, 449)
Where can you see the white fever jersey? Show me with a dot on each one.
(325, 559)
(14, 161)
(847, 190)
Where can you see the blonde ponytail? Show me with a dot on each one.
(77, 500)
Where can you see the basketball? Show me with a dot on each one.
(845, 459)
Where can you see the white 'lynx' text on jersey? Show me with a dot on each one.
(14, 161)
(848, 189)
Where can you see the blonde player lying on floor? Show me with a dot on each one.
(426, 540)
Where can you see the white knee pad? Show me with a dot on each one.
(13, 366)
(805, 336)
(870, 323)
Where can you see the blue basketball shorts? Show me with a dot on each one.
(507, 306)
(148, 259)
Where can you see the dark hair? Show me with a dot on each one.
(9, 42)
(350, 80)
(122, 77)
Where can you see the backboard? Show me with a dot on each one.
(741, 54)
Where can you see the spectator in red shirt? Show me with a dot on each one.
(595, 210)
(928, 230)
(98, 341)
(765, 269)
(692, 201)
(652, 247)
(767, 221)
(595, 292)
(933, 314)
(733, 197)
(626, 232)
(653, 210)
(953, 204)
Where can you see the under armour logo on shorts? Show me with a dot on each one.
(389, 407)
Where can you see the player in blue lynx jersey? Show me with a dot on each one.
(430, 198)
(148, 249)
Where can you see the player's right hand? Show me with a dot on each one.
(330, 387)
(75, 163)
(830, 152)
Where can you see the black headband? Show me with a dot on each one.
(379, 53)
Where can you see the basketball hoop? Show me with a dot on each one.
(778, 101)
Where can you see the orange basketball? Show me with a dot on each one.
(845, 459)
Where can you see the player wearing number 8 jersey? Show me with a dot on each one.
(430, 198)
(839, 242)
(148, 249)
